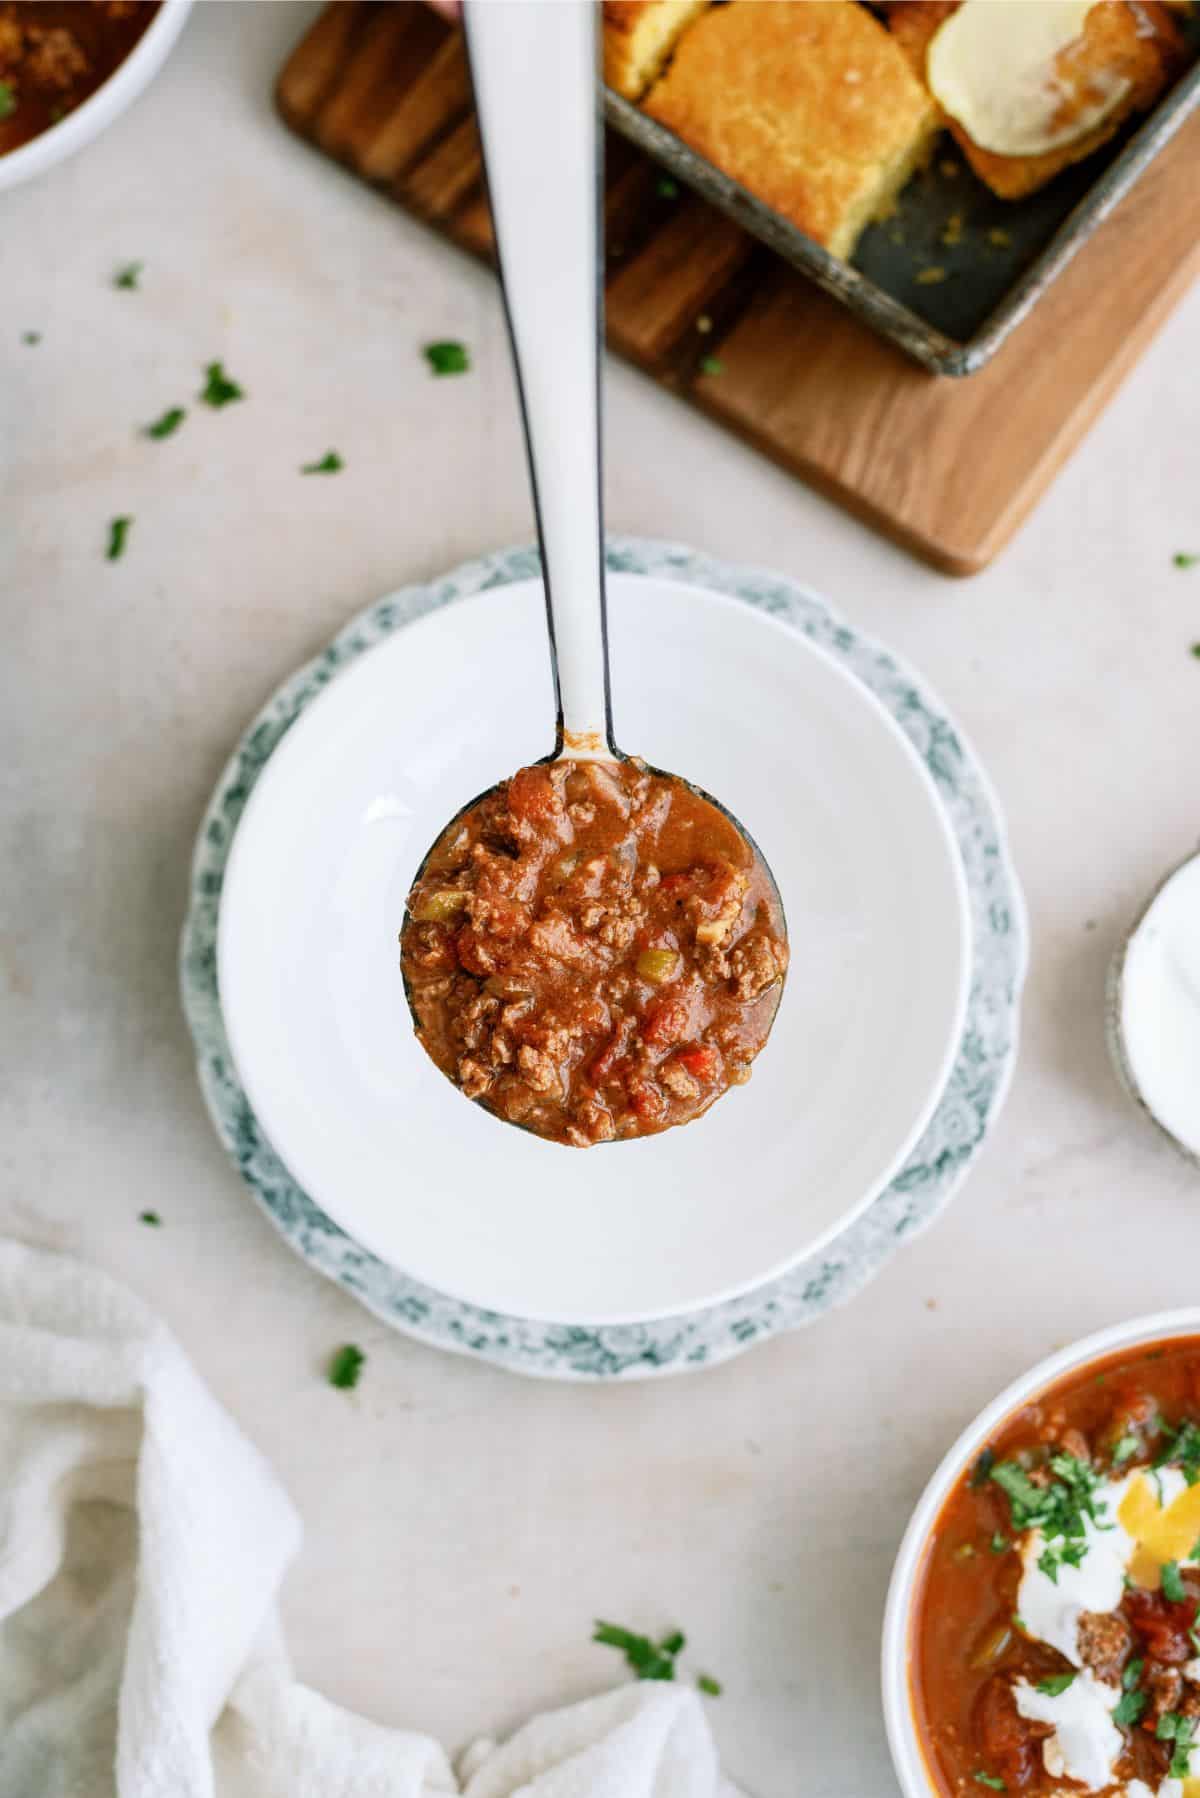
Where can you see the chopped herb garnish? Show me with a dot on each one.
(708, 1685)
(1182, 558)
(31, 337)
(1125, 1450)
(1167, 1725)
(129, 276)
(218, 389)
(1181, 1760)
(1061, 1509)
(447, 358)
(346, 1366)
(1057, 1682)
(1194, 1638)
(666, 189)
(149, 1217)
(989, 1779)
(982, 1468)
(118, 536)
(711, 365)
(999, 1543)
(1019, 1623)
(167, 424)
(1196, 649)
(1193, 1553)
(1172, 1583)
(8, 100)
(1129, 1708)
(330, 463)
(649, 1660)
(1132, 1674)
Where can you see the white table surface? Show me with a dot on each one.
(464, 1527)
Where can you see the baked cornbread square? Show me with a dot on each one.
(812, 107)
(1138, 43)
(639, 35)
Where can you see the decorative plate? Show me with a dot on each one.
(701, 1335)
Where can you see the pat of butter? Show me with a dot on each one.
(1160, 1534)
(992, 65)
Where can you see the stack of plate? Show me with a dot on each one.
(888, 1063)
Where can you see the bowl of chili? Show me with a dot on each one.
(68, 68)
(1042, 1632)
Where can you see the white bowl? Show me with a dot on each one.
(308, 961)
(908, 1755)
(107, 103)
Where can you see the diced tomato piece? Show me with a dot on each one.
(1162, 1627)
(1006, 1741)
(477, 955)
(646, 1098)
(700, 1061)
(669, 1021)
(532, 796)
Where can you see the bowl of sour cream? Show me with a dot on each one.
(1154, 1009)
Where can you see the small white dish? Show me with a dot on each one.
(904, 1741)
(1153, 1010)
(108, 102)
(312, 1001)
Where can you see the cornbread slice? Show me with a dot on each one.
(812, 107)
(639, 35)
(1125, 40)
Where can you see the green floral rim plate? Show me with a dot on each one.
(969, 1106)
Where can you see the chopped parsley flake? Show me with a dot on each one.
(8, 100)
(1132, 1674)
(218, 389)
(1196, 649)
(129, 276)
(1194, 1638)
(330, 463)
(1182, 1444)
(1057, 1682)
(346, 1366)
(1125, 1450)
(1172, 1583)
(711, 365)
(1181, 1760)
(665, 188)
(447, 358)
(708, 1685)
(649, 1660)
(1129, 1709)
(1061, 1509)
(167, 424)
(1182, 558)
(31, 337)
(149, 1217)
(1167, 1725)
(989, 1779)
(118, 536)
(999, 1543)
(1193, 1553)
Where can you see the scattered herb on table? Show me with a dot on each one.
(218, 389)
(149, 1217)
(1184, 558)
(118, 536)
(711, 365)
(8, 100)
(1057, 1682)
(31, 337)
(1196, 649)
(649, 1660)
(666, 189)
(129, 276)
(447, 358)
(330, 463)
(346, 1366)
(711, 1687)
(168, 424)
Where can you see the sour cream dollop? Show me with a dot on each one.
(1160, 1006)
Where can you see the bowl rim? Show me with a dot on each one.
(107, 103)
(903, 1736)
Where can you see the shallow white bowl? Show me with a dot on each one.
(313, 1004)
(907, 1753)
(107, 103)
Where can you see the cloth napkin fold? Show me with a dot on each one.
(142, 1545)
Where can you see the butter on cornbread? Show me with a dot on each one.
(639, 35)
(812, 107)
(1123, 56)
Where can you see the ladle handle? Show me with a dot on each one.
(537, 99)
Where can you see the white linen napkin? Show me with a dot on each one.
(142, 1545)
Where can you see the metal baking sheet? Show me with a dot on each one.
(954, 269)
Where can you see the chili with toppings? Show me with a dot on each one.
(594, 951)
(1090, 1492)
(56, 53)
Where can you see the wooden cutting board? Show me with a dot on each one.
(948, 468)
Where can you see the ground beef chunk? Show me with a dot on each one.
(1104, 1644)
(1164, 1687)
(54, 57)
(755, 965)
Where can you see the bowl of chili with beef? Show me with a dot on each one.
(68, 68)
(1043, 1625)
(594, 951)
